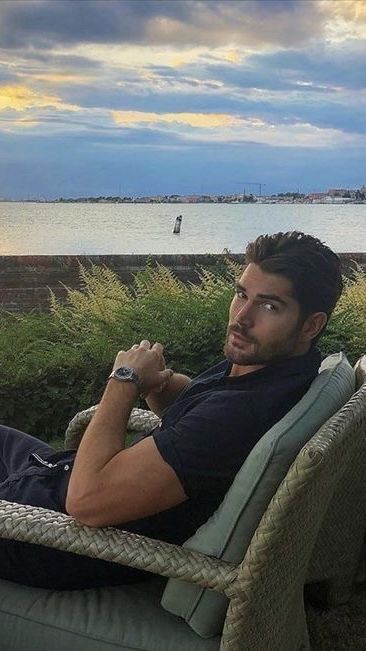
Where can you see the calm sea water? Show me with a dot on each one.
(61, 229)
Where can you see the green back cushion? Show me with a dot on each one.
(228, 532)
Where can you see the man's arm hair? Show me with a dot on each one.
(158, 401)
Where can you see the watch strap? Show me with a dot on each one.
(131, 377)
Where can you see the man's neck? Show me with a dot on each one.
(237, 370)
(243, 370)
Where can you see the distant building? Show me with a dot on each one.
(337, 192)
(316, 196)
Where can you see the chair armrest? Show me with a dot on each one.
(141, 420)
(52, 529)
(360, 371)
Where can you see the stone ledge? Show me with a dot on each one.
(25, 280)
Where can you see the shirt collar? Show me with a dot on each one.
(298, 364)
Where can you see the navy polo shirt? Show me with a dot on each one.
(209, 430)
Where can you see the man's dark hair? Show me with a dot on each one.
(312, 267)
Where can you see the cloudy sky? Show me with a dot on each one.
(131, 97)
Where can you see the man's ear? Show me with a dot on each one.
(313, 325)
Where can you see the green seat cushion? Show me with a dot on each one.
(128, 617)
(228, 532)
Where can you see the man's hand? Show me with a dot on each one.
(160, 385)
(148, 362)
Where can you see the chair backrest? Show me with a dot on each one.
(228, 532)
(341, 537)
(268, 612)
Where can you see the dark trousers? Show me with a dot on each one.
(31, 472)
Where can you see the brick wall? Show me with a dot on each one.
(25, 280)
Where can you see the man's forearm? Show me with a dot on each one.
(158, 401)
(103, 438)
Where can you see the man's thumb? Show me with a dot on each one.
(165, 377)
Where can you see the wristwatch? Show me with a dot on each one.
(127, 374)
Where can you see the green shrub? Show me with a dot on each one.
(347, 326)
(53, 365)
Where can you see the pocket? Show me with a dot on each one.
(42, 484)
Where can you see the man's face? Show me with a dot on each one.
(264, 320)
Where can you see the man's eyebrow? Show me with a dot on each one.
(267, 297)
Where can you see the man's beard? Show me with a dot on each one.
(267, 354)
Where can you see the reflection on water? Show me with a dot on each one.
(91, 229)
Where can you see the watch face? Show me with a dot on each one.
(124, 373)
(127, 374)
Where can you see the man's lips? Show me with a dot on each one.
(240, 336)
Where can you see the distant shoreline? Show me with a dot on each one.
(259, 201)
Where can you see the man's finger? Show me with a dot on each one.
(157, 347)
(134, 347)
(166, 375)
(145, 344)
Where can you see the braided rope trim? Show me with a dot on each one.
(360, 371)
(58, 531)
(141, 420)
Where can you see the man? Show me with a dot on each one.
(172, 480)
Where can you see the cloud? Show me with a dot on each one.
(201, 120)
(60, 78)
(161, 22)
(46, 69)
(235, 129)
(21, 98)
(322, 64)
(346, 20)
(21, 123)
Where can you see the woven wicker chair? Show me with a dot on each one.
(265, 590)
(335, 562)
(360, 370)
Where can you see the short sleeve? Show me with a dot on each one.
(209, 443)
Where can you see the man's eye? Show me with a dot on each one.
(269, 307)
(240, 293)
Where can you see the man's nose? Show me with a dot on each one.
(245, 315)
